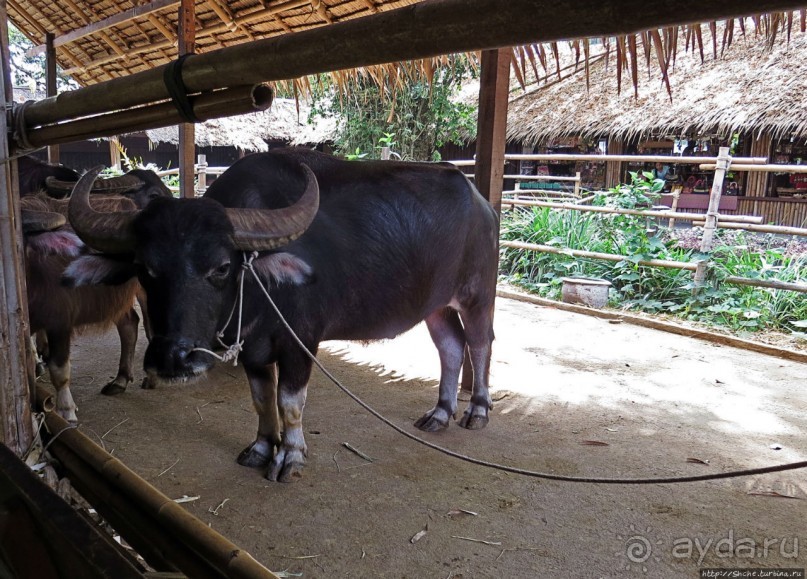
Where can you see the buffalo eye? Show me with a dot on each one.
(219, 273)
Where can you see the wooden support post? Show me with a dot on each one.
(16, 367)
(201, 175)
(613, 169)
(187, 132)
(577, 180)
(50, 85)
(494, 92)
(114, 153)
(723, 163)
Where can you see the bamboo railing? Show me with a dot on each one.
(709, 221)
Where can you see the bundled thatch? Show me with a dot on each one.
(751, 85)
(284, 121)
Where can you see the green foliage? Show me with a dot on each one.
(653, 289)
(30, 70)
(411, 116)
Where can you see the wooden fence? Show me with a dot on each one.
(710, 217)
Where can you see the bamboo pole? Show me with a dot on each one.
(16, 364)
(131, 496)
(639, 158)
(639, 212)
(597, 255)
(421, 30)
(688, 266)
(774, 284)
(779, 229)
(767, 168)
(233, 101)
(710, 224)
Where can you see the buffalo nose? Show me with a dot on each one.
(181, 350)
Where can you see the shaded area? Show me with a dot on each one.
(559, 380)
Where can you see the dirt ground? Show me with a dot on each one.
(562, 381)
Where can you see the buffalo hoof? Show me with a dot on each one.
(252, 457)
(434, 420)
(287, 466)
(148, 383)
(112, 389)
(475, 418)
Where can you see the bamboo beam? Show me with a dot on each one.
(187, 131)
(778, 229)
(223, 103)
(416, 31)
(597, 255)
(670, 159)
(115, 20)
(50, 86)
(773, 284)
(639, 212)
(203, 552)
(767, 168)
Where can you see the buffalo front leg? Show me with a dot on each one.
(127, 332)
(447, 334)
(294, 372)
(59, 369)
(478, 325)
(263, 385)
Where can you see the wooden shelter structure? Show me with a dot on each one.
(748, 95)
(125, 56)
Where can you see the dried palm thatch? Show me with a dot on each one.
(729, 78)
(100, 40)
(287, 121)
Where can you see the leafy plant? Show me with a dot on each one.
(657, 290)
(415, 115)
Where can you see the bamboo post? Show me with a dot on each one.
(187, 131)
(201, 175)
(114, 152)
(675, 197)
(577, 185)
(50, 84)
(723, 163)
(16, 364)
(385, 153)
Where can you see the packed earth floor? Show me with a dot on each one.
(574, 395)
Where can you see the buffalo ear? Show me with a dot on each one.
(283, 267)
(97, 270)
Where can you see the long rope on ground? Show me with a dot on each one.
(503, 467)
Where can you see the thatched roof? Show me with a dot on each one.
(146, 36)
(751, 86)
(282, 122)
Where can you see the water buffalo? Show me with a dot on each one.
(348, 250)
(34, 174)
(58, 311)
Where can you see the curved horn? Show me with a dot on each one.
(107, 232)
(265, 229)
(59, 185)
(107, 185)
(39, 221)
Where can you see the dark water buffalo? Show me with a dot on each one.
(34, 174)
(349, 250)
(60, 312)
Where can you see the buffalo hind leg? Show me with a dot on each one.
(59, 369)
(263, 385)
(447, 334)
(294, 370)
(127, 331)
(478, 324)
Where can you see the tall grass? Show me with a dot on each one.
(656, 290)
